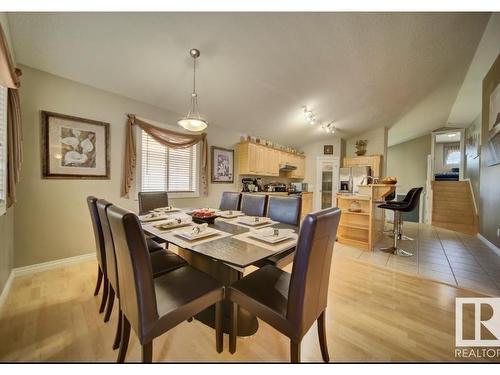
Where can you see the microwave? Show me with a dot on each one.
(298, 187)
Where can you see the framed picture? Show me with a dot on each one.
(74, 147)
(222, 165)
(491, 113)
(328, 149)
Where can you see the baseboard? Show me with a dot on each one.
(40, 267)
(6, 289)
(489, 244)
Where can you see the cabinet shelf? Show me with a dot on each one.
(354, 226)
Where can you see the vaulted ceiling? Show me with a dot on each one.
(362, 70)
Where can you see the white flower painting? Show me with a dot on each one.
(78, 148)
(222, 165)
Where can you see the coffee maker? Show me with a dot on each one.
(247, 185)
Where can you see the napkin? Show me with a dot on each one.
(197, 229)
(171, 222)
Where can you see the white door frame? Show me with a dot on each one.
(462, 150)
(317, 189)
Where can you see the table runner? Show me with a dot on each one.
(278, 247)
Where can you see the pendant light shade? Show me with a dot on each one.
(193, 121)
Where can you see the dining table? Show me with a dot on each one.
(224, 257)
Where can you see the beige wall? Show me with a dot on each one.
(472, 166)
(377, 145)
(52, 220)
(312, 151)
(6, 220)
(408, 162)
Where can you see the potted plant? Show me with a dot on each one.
(361, 147)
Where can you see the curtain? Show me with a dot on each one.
(166, 138)
(10, 78)
(449, 148)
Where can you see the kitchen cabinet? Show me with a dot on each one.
(307, 205)
(374, 162)
(260, 160)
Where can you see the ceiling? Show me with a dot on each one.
(399, 70)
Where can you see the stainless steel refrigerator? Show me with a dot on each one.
(351, 177)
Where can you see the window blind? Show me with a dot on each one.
(3, 147)
(167, 169)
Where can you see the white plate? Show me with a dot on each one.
(147, 218)
(261, 234)
(190, 235)
(227, 215)
(174, 225)
(251, 221)
(166, 209)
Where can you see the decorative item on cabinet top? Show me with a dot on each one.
(267, 143)
(361, 147)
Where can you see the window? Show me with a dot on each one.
(3, 149)
(167, 169)
(451, 154)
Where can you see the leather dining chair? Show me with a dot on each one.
(253, 204)
(230, 201)
(149, 200)
(152, 306)
(102, 276)
(284, 210)
(162, 261)
(291, 303)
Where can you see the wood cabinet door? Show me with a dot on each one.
(260, 152)
(252, 158)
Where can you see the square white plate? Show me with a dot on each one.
(227, 215)
(284, 234)
(166, 209)
(168, 227)
(148, 218)
(190, 235)
(251, 221)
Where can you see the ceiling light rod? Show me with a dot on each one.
(193, 120)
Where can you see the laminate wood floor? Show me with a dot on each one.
(374, 314)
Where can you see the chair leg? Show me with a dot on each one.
(294, 351)
(147, 352)
(233, 331)
(322, 337)
(219, 333)
(124, 341)
(109, 307)
(118, 334)
(104, 295)
(99, 281)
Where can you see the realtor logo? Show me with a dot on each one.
(480, 324)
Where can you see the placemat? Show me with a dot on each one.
(280, 246)
(150, 228)
(182, 242)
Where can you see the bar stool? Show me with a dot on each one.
(408, 204)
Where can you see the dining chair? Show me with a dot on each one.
(154, 306)
(230, 201)
(149, 200)
(253, 204)
(162, 261)
(284, 210)
(102, 276)
(291, 303)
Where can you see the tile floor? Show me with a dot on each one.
(439, 254)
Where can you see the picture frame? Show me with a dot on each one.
(473, 140)
(491, 114)
(328, 150)
(74, 147)
(222, 167)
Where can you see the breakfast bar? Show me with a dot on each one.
(362, 222)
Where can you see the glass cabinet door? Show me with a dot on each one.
(327, 181)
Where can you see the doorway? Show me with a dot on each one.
(327, 180)
(447, 155)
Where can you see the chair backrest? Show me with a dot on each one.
(149, 200)
(410, 194)
(135, 275)
(285, 209)
(230, 201)
(109, 247)
(308, 293)
(414, 196)
(98, 235)
(253, 204)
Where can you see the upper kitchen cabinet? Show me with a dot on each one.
(255, 159)
(374, 162)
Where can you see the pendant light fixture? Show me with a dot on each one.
(193, 121)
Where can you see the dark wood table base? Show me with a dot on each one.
(247, 323)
